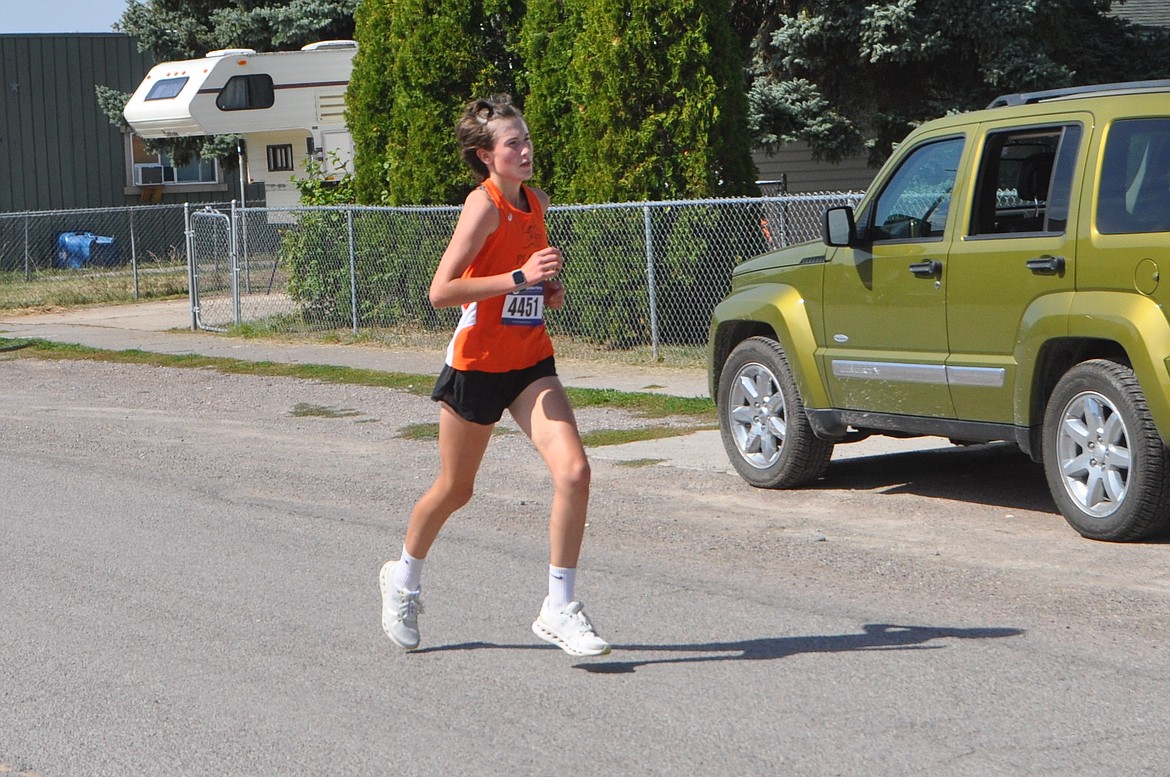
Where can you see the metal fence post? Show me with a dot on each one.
(234, 253)
(353, 301)
(244, 245)
(27, 273)
(133, 256)
(651, 285)
(192, 271)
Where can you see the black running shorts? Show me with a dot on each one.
(482, 397)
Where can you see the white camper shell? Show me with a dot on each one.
(289, 106)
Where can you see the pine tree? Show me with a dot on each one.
(185, 29)
(848, 75)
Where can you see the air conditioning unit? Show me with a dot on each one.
(152, 175)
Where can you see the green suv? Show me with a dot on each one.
(1001, 280)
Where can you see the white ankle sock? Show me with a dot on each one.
(560, 586)
(408, 572)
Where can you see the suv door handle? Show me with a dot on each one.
(928, 269)
(1046, 265)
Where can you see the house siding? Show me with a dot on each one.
(793, 163)
(1148, 13)
(57, 149)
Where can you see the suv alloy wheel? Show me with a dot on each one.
(762, 420)
(1107, 468)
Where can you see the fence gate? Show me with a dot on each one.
(213, 265)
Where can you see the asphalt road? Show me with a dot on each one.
(189, 587)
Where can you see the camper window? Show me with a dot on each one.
(166, 89)
(246, 93)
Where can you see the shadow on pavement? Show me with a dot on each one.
(994, 474)
(874, 636)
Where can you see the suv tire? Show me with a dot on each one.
(762, 420)
(1106, 465)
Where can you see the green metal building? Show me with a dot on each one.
(59, 151)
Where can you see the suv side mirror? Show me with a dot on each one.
(838, 227)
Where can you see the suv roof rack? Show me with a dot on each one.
(1028, 98)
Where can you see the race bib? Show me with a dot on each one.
(524, 308)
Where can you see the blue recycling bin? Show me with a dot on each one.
(85, 249)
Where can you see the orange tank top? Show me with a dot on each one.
(504, 333)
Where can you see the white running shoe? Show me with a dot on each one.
(400, 610)
(570, 630)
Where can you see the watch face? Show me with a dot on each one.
(518, 277)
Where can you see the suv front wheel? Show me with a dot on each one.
(1106, 465)
(762, 421)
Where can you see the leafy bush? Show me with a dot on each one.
(313, 250)
(394, 253)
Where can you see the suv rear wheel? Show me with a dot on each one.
(1107, 467)
(762, 420)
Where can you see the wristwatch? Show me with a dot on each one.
(519, 279)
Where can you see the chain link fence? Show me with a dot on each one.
(642, 278)
(76, 257)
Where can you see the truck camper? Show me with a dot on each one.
(289, 106)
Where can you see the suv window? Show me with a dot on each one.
(915, 202)
(1024, 181)
(1135, 178)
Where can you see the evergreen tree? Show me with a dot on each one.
(368, 98)
(548, 37)
(436, 64)
(436, 55)
(658, 93)
(848, 75)
(646, 101)
(185, 29)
